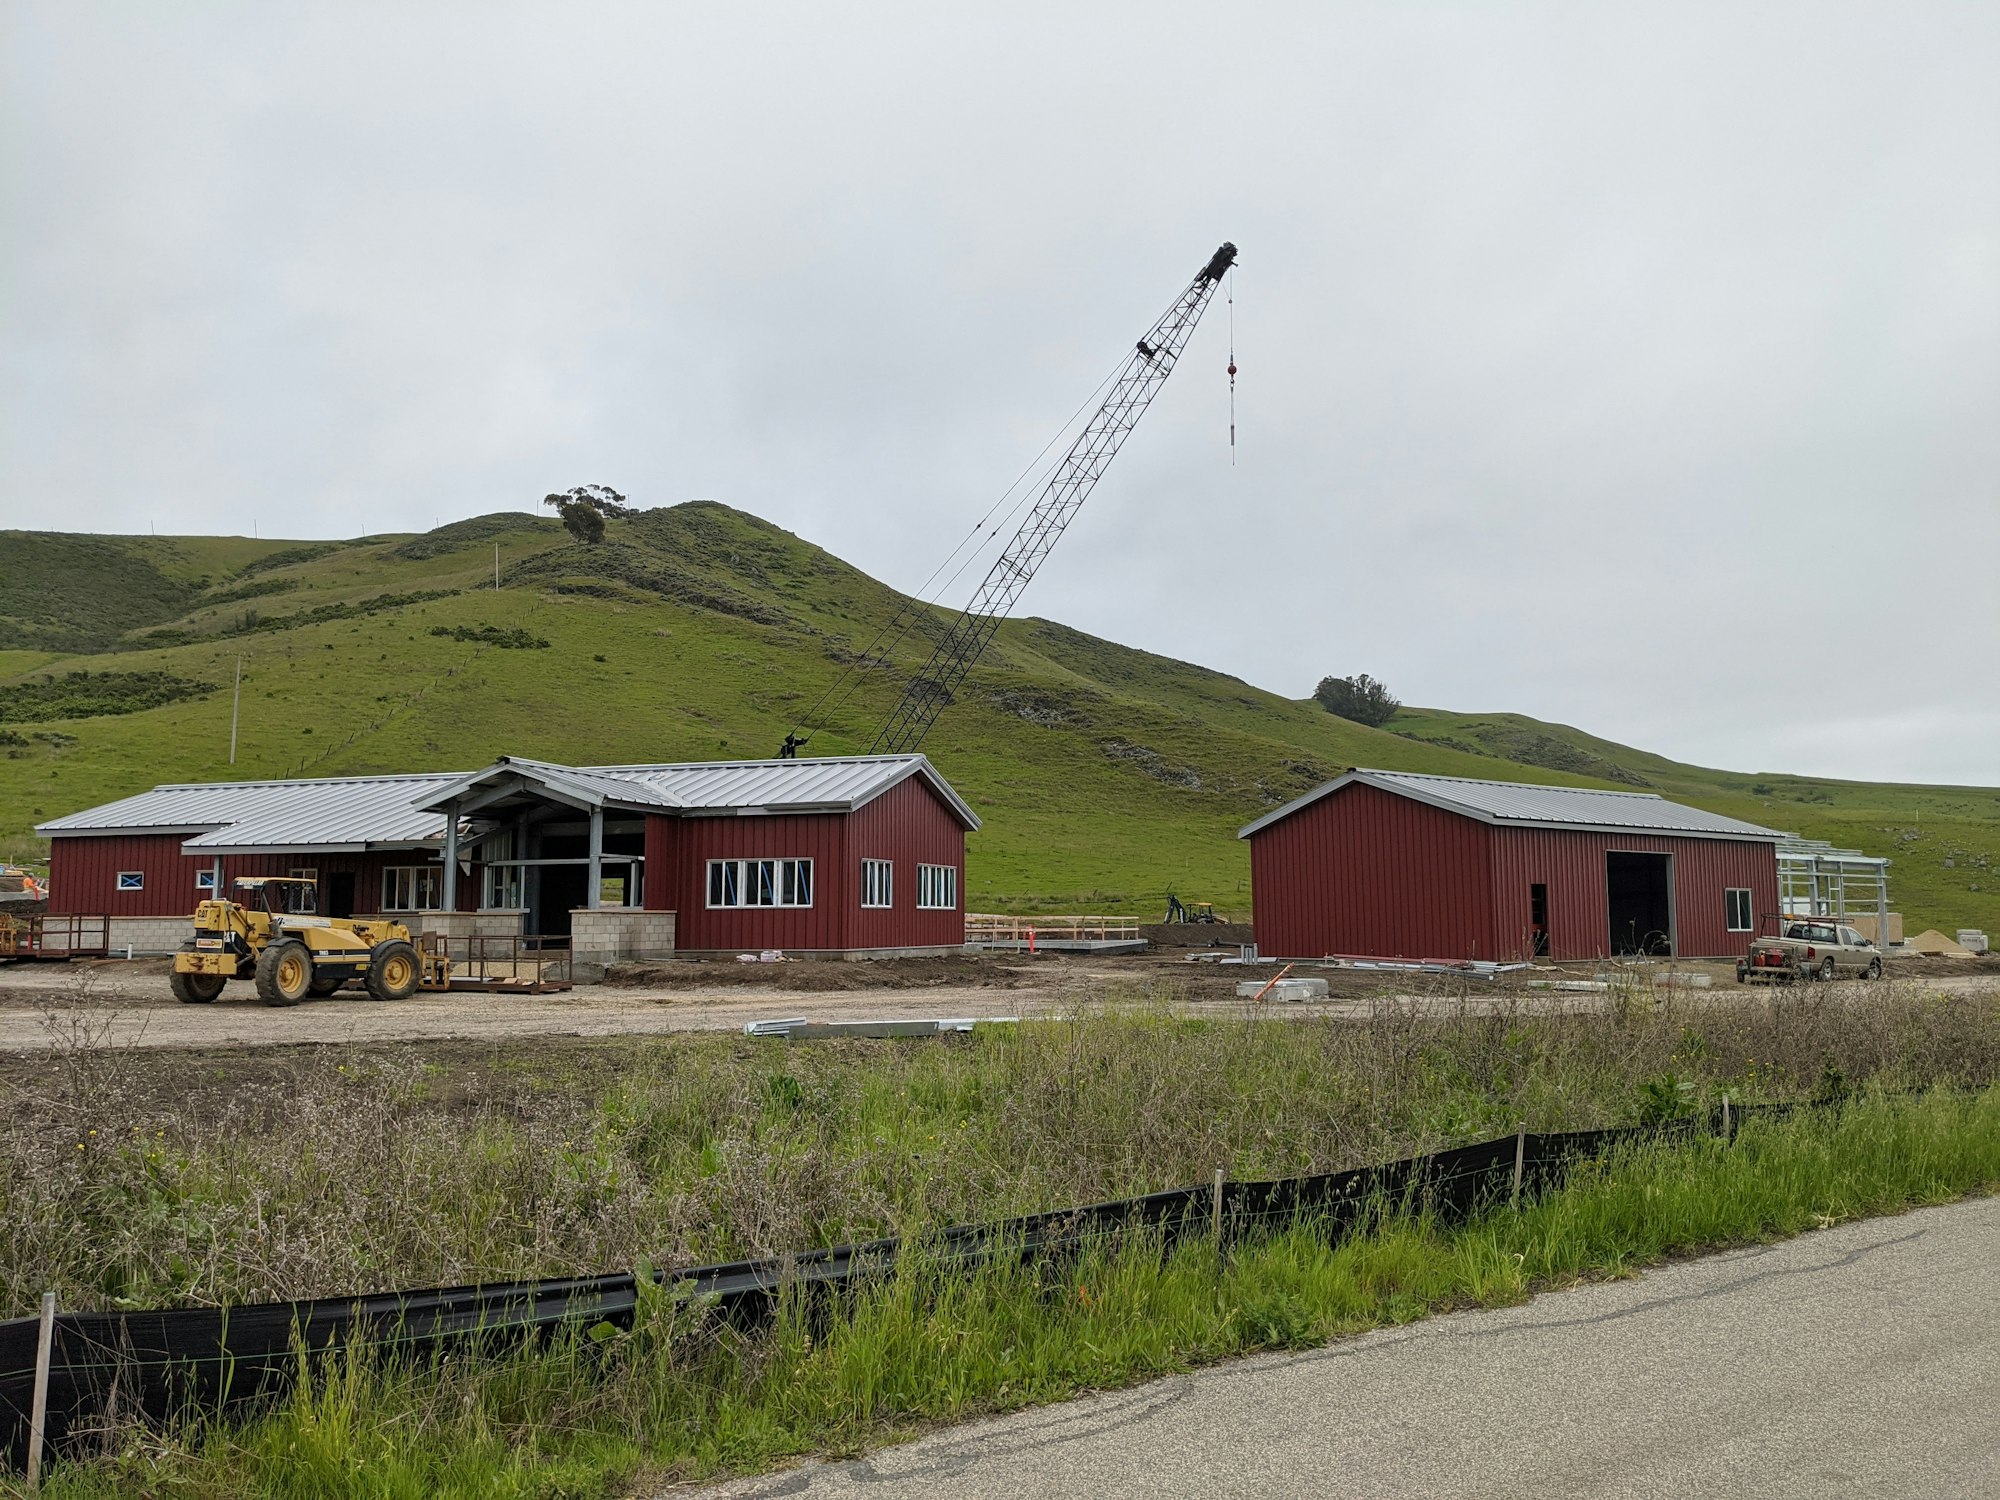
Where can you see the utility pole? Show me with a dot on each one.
(235, 709)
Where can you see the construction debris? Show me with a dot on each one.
(1282, 989)
(1934, 944)
(799, 1029)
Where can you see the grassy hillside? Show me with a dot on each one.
(1105, 774)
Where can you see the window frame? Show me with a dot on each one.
(204, 880)
(1729, 913)
(776, 877)
(417, 875)
(886, 870)
(130, 880)
(931, 876)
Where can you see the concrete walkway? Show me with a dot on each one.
(1863, 1360)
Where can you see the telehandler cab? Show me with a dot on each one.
(275, 936)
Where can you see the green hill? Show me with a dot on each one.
(1105, 774)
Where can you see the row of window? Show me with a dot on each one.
(789, 882)
(731, 883)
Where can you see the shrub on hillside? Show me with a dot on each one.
(88, 695)
(512, 638)
(1362, 699)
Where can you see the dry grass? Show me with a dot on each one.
(149, 1178)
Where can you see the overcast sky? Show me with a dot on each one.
(1596, 361)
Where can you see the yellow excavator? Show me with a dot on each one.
(274, 935)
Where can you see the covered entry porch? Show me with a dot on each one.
(557, 852)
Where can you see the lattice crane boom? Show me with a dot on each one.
(1069, 485)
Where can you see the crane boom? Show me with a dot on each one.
(1069, 485)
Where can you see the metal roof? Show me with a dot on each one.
(832, 783)
(357, 812)
(1518, 804)
(344, 812)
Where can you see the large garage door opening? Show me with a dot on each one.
(1640, 889)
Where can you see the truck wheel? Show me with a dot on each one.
(195, 989)
(392, 971)
(284, 973)
(1827, 971)
(1874, 968)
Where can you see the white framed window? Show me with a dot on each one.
(131, 880)
(204, 880)
(410, 887)
(760, 882)
(937, 887)
(1736, 906)
(878, 882)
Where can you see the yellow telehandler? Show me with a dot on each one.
(275, 936)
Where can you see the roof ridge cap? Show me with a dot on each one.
(1533, 786)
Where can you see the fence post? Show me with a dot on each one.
(1520, 1157)
(1726, 1137)
(1215, 1210)
(38, 1411)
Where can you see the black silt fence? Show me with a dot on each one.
(110, 1365)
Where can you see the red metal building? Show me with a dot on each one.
(847, 855)
(1391, 864)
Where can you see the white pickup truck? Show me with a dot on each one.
(1809, 948)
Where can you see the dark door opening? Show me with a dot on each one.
(560, 890)
(1639, 889)
(1538, 917)
(340, 893)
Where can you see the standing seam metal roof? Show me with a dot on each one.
(823, 783)
(1527, 805)
(350, 812)
(314, 813)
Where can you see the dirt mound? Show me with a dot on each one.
(817, 974)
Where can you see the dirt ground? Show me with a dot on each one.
(127, 1002)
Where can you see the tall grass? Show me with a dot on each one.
(678, 1397)
(133, 1177)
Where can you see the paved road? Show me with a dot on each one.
(1860, 1361)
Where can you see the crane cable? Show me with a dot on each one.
(907, 614)
(1229, 294)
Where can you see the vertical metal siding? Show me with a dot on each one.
(1571, 864)
(907, 824)
(1365, 871)
(83, 874)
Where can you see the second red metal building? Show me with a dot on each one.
(1393, 864)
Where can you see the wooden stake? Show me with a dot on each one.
(39, 1411)
(1725, 1119)
(1215, 1210)
(1520, 1157)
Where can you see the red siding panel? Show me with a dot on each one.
(83, 874)
(908, 824)
(1571, 864)
(1366, 871)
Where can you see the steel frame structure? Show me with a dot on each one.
(1069, 485)
(1817, 880)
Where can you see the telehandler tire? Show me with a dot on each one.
(195, 989)
(284, 973)
(393, 970)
